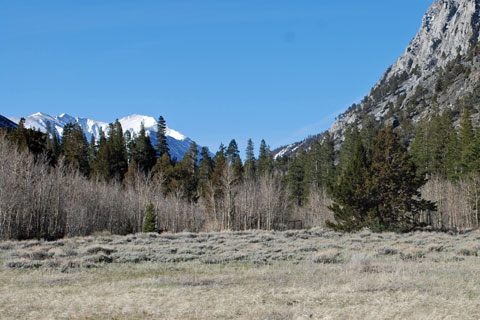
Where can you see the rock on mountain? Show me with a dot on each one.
(6, 123)
(177, 142)
(440, 69)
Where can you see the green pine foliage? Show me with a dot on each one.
(75, 149)
(101, 168)
(298, 179)
(162, 144)
(150, 221)
(351, 204)
(117, 152)
(265, 160)
(250, 167)
(351, 136)
(381, 194)
(142, 151)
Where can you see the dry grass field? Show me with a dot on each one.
(314, 274)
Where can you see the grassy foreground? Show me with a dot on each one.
(315, 274)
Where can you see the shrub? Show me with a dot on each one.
(149, 224)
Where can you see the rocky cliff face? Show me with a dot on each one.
(448, 35)
(440, 67)
(449, 28)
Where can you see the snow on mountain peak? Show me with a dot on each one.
(178, 143)
(175, 134)
(134, 122)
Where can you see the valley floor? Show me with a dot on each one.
(314, 274)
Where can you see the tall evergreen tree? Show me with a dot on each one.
(92, 153)
(265, 160)
(351, 136)
(327, 156)
(162, 144)
(351, 201)
(232, 152)
(117, 161)
(187, 173)
(466, 139)
(142, 151)
(163, 171)
(250, 162)
(297, 179)
(101, 168)
(206, 165)
(382, 195)
(394, 186)
(421, 148)
(451, 161)
(75, 148)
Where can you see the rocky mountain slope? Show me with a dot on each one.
(177, 142)
(439, 69)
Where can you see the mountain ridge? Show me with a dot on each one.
(178, 143)
(439, 70)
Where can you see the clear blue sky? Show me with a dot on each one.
(215, 69)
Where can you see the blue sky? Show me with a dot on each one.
(215, 69)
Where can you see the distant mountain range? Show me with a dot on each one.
(177, 142)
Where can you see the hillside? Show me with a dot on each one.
(440, 69)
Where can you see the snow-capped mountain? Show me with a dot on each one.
(178, 143)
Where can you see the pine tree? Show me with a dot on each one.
(162, 144)
(92, 153)
(101, 168)
(150, 221)
(394, 186)
(297, 181)
(206, 165)
(131, 174)
(142, 151)
(250, 162)
(351, 201)
(351, 136)
(466, 138)
(163, 172)
(75, 148)
(205, 170)
(117, 161)
(421, 148)
(217, 179)
(187, 173)
(368, 133)
(313, 167)
(232, 152)
(52, 144)
(382, 195)
(327, 152)
(451, 161)
(265, 160)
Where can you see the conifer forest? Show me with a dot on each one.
(52, 188)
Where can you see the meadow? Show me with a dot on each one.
(307, 274)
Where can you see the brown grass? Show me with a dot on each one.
(315, 274)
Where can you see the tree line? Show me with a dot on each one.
(69, 186)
